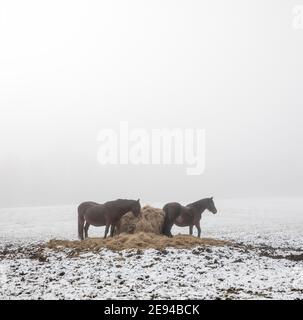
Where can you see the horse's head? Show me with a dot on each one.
(136, 208)
(211, 206)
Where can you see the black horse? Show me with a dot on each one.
(107, 214)
(184, 216)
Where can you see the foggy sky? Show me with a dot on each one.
(68, 69)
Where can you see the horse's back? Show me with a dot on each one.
(172, 206)
(94, 213)
(86, 205)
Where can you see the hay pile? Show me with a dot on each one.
(141, 240)
(151, 220)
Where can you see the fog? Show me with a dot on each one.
(69, 69)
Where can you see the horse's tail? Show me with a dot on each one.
(171, 213)
(167, 225)
(80, 223)
(166, 221)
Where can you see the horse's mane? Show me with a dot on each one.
(199, 203)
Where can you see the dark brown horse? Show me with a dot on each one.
(107, 214)
(189, 215)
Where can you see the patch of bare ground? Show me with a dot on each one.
(31, 251)
(141, 240)
(270, 252)
(232, 293)
(291, 257)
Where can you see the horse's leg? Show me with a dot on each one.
(118, 228)
(112, 230)
(169, 232)
(191, 230)
(86, 227)
(168, 228)
(106, 230)
(81, 221)
(199, 229)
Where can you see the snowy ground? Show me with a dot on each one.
(266, 262)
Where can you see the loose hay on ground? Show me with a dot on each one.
(141, 240)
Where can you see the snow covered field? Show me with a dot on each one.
(265, 263)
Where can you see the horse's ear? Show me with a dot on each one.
(212, 198)
(138, 200)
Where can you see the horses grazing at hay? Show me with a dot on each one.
(184, 216)
(107, 214)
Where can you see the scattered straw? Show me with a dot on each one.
(141, 240)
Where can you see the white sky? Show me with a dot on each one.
(70, 68)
